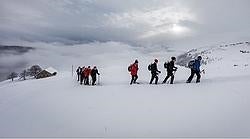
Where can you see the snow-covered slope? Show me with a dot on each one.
(225, 60)
(60, 107)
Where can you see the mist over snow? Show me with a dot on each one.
(104, 55)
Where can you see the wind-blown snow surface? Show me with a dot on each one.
(60, 107)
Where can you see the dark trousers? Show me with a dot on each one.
(86, 80)
(193, 72)
(169, 74)
(154, 76)
(93, 80)
(133, 78)
(81, 79)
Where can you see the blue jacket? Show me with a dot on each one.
(197, 64)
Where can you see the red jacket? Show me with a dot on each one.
(134, 69)
(87, 72)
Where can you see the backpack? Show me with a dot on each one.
(166, 65)
(129, 68)
(191, 64)
(149, 67)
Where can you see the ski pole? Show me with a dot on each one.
(72, 68)
(98, 82)
(170, 77)
(174, 72)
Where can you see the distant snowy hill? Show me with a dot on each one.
(227, 52)
(60, 107)
(228, 59)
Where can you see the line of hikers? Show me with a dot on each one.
(83, 74)
(194, 65)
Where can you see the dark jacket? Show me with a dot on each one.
(154, 69)
(79, 70)
(171, 67)
(94, 72)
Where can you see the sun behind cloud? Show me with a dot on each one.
(177, 29)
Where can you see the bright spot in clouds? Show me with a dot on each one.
(165, 21)
(178, 29)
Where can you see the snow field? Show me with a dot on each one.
(60, 107)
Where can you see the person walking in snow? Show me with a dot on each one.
(82, 75)
(93, 73)
(194, 65)
(170, 69)
(87, 72)
(154, 71)
(133, 69)
(78, 72)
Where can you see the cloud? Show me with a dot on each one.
(141, 21)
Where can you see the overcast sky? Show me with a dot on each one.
(129, 21)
